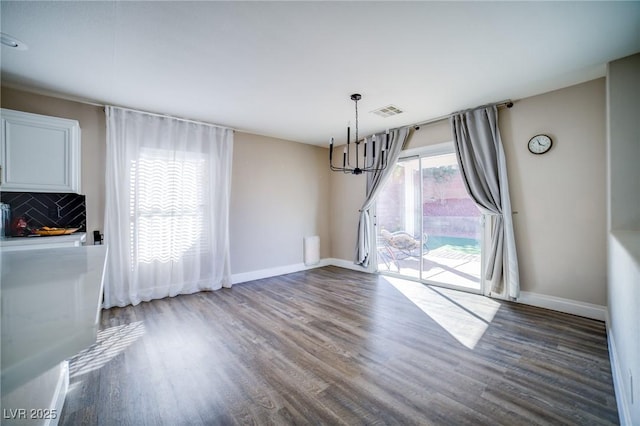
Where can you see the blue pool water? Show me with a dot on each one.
(436, 241)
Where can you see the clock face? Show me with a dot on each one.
(540, 144)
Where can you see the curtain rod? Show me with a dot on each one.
(100, 105)
(506, 103)
(171, 116)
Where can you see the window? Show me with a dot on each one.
(168, 185)
(427, 226)
(167, 205)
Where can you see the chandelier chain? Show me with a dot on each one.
(357, 140)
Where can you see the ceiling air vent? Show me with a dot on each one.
(387, 111)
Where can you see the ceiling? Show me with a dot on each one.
(287, 69)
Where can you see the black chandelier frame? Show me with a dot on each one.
(346, 155)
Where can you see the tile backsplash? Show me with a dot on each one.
(60, 210)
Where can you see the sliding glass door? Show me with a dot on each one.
(427, 226)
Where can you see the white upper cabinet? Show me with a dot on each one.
(39, 153)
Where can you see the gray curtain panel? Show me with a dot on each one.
(398, 138)
(484, 171)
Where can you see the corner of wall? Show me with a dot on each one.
(622, 401)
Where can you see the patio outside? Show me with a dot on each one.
(427, 225)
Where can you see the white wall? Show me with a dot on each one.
(624, 143)
(559, 196)
(346, 197)
(624, 323)
(279, 189)
(431, 134)
(279, 195)
(623, 105)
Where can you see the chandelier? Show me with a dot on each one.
(346, 155)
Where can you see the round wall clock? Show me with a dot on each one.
(539, 144)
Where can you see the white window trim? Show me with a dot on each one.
(428, 150)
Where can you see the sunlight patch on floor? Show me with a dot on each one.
(464, 316)
(110, 342)
(442, 266)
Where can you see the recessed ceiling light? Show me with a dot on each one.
(12, 42)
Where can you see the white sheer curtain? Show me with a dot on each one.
(167, 207)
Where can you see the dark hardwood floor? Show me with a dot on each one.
(334, 346)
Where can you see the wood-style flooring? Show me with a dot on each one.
(334, 346)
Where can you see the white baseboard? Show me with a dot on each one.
(289, 269)
(57, 402)
(275, 271)
(622, 401)
(347, 264)
(569, 306)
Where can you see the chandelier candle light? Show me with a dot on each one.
(357, 170)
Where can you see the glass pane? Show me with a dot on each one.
(452, 225)
(427, 225)
(399, 221)
(167, 204)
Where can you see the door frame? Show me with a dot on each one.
(485, 236)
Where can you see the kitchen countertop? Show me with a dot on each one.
(54, 239)
(51, 301)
